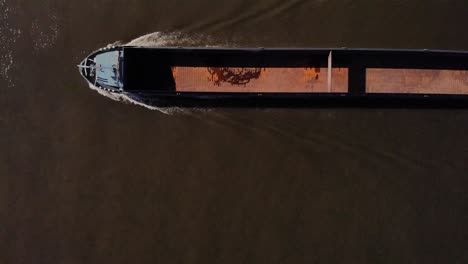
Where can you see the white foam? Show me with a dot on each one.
(124, 98)
(45, 38)
(167, 39)
(9, 35)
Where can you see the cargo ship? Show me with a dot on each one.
(185, 76)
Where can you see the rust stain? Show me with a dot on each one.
(233, 76)
(317, 72)
(309, 74)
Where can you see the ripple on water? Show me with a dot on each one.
(9, 35)
(45, 37)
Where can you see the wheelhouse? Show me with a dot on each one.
(104, 69)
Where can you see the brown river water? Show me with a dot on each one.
(86, 179)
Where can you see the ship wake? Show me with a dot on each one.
(159, 39)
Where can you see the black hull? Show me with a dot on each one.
(303, 100)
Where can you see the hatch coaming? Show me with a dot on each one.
(262, 71)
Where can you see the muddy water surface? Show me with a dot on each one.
(85, 179)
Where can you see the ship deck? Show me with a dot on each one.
(296, 71)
